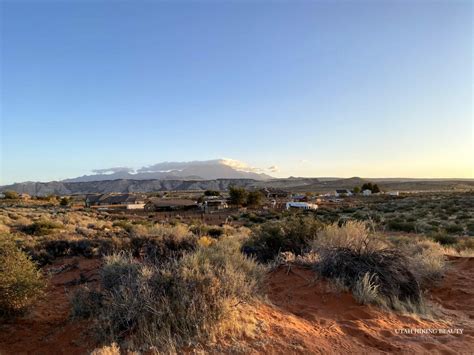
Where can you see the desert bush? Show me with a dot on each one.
(112, 349)
(389, 270)
(41, 227)
(354, 235)
(398, 225)
(366, 266)
(85, 302)
(366, 289)
(444, 239)
(163, 248)
(20, 281)
(171, 304)
(427, 260)
(11, 195)
(454, 228)
(293, 234)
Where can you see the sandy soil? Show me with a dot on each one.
(307, 315)
(303, 315)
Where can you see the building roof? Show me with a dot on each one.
(112, 199)
(160, 202)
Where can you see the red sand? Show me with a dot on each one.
(47, 328)
(303, 316)
(308, 316)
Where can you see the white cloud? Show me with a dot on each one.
(119, 169)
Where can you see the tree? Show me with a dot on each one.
(254, 198)
(11, 195)
(356, 190)
(369, 186)
(211, 193)
(238, 195)
(64, 201)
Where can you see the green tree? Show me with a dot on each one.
(65, 201)
(255, 198)
(211, 193)
(356, 190)
(238, 195)
(367, 186)
(375, 189)
(11, 195)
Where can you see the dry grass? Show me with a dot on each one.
(374, 272)
(168, 305)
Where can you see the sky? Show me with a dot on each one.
(309, 88)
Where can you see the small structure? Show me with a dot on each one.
(367, 192)
(270, 192)
(160, 205)
(301, 205)
(127, 201)
(2, 195)
(299, 197)
(214, 205)
(393, 193)
(343, 192)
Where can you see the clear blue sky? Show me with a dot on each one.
(366, 88)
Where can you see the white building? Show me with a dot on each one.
(367, 192)
(301, 205)
(393, 193)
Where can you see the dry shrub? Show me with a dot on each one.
(178, 302)
(20, 281)
(112, 349)
(354, 235)
(373, 272)
(366, 289)
(427, 260)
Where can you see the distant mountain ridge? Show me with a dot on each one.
(191, 170)
(297, 185)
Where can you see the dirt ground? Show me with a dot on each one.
(302, 315)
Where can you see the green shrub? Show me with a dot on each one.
(20, 281)
(444, 239)
(397, 225)
(293, 234)
(11, 195)
(454, 228)
(42, 227)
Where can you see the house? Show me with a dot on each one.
(159, 205)
(343, 192)
(128, 201)
(367, 192)
(214, 205)
(270, 192)
(299, 198)
(301, 205)
(2, 195)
